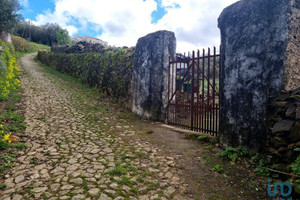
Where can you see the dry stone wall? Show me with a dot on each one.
(284, 123)
(110, 70)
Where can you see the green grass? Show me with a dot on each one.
(16, 98)
(19, 145)
(10, 107)
(126, 181)
(2, 186)
(134, 190)
(218, 168)
(140, 179)
(118, 171)
(153, 186)
(6, 161)
(13, 116)
(38, 47)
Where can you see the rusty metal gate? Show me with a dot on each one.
(193, 91)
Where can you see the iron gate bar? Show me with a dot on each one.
(181, 81)
(214, 85)
(192, 92)
(193, 99)
(203, 109)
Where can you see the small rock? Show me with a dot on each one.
(104, 197)
(282, 127)
(17, 197)
(169, 175)
(39, 190)
(279, 142)
(291, 111)
(169, 191)
(94, 191)
(76, 181)
(295, 132)
(67, 187)
(113, 185)
(78, 197)
(19, 179)
(54, 187)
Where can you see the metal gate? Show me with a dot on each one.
(193, 91)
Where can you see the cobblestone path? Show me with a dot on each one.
(77, 149)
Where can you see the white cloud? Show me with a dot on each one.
(123, 22)
(24, 3)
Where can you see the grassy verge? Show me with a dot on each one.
(12, 129)
(12, 126)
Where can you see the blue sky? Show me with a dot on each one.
(122, 22)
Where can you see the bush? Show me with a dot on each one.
(21, 44)
(9, 80)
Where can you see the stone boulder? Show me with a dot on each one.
(150, 76)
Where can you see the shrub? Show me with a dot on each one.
(21, 44)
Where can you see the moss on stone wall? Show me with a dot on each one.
(110, 71)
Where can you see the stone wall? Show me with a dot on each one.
(110, 70)
(150, 76)
(82, 47)
(260, 57)
(284, 123)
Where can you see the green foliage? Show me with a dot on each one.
(44, 34)
(261, 168)
(118, 171)
(4, 145)
(234, 153)
(9, 14)
(296, 166)
(297, 149)
(126, 181)
(19, 145)
(217, 168)
(63, 37)
(2, 186)
(202, 137)
(21, 44)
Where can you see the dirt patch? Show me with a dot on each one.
(196, 160)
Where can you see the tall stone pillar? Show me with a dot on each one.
(150, 76)
(260, 48)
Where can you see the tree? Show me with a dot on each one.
(63, 37)
(51, 30)
(8, 14)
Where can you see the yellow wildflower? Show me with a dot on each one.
(6, 137)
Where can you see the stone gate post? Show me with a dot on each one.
(260, 48)
(150, 76)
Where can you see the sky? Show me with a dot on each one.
(123, 22)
